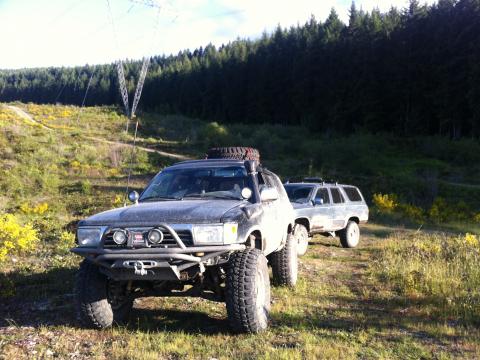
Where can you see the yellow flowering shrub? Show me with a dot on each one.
(118, 200)
(39, 209)
(471, 240)
(385, 202)
(15, 238)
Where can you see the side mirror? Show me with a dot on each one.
(133, 197)
(318, 201)
(269, 194)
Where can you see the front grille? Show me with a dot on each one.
(168, 240)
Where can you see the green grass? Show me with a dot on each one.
(348, 304)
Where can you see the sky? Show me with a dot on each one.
(42, 33)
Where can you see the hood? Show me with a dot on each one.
(170, 212)
(299, 206)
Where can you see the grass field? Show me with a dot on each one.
(408, 291)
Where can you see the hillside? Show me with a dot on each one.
(404, 293)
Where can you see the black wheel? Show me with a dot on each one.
(234, 153)
(101, 302)
(350, 236)
(301, 234)
(285, 264)
(248, 291)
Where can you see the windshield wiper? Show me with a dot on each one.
(153, 198)
(216, 196)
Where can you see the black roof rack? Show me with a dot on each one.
(316, 180)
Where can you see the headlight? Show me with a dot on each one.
(89, 237)
(208, 234)
(215, 234)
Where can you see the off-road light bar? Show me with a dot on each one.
(155, 236)
(120, 237)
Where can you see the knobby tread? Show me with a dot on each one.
(91, 296)
(285, 264)
(234, 153)
(241, 290)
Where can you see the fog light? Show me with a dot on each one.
(155, 236)
(120, 237)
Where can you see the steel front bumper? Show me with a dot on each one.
(154, 263)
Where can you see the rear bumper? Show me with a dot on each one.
(155, 263)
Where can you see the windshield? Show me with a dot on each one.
(214, 182)
(298, 193)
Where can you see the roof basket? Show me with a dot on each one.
(316, 180)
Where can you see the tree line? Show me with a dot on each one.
(409, 71)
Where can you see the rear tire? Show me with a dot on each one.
(350, 236)
(234, 153)
(248, 291)
(285, 264)
(301, 234)
(96, 306)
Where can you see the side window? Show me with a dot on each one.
(352, 193)
(322, 194)
(336, 196)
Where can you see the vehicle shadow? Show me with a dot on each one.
(185, 321)
(47, 299)
(38, 299)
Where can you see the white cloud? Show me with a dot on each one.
(60, 32)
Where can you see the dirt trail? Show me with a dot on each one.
(26, 116)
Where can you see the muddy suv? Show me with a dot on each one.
(327, 208)
(200, 228)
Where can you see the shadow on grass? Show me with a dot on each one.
(184, 321)
(47, 299)
(393, 319)
(39, 299)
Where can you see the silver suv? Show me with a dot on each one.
(327, 208)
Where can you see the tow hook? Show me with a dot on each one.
(140, 268)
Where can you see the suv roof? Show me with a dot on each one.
(318, 184)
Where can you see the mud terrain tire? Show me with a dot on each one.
(234, 153)
(301, 234)
(248, 291)
(92, 299)
(285, 264)
(350, 236)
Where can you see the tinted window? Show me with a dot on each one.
(336, 196)
(322, 194)
(352, 193)
(298, 193)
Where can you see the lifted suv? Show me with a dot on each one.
(200, 228)
(327, 208)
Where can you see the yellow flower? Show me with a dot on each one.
(471, 239)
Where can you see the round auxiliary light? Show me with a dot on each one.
(155, 236)
(120, 237)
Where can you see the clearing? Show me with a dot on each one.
(334, 313)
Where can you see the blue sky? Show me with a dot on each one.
(37, 33)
